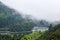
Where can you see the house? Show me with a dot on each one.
(36, 28)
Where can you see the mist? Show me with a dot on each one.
(40, 9)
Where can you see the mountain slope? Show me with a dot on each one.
(13, 20)
(53, 34)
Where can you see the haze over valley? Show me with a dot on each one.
(29, 20)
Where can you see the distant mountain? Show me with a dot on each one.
(55, 23)
(43, 23)
(12, 20)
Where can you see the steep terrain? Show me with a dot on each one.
(11, 20)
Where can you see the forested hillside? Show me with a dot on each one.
(52, 34)
(12, 20)
(32, 36)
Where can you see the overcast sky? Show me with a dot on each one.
(40, 9)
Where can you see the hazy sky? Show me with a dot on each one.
(41, 9)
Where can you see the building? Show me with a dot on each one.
(39, 29)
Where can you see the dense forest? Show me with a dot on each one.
(13, 21)
(53, 34)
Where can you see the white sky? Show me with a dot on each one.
(41, 9)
